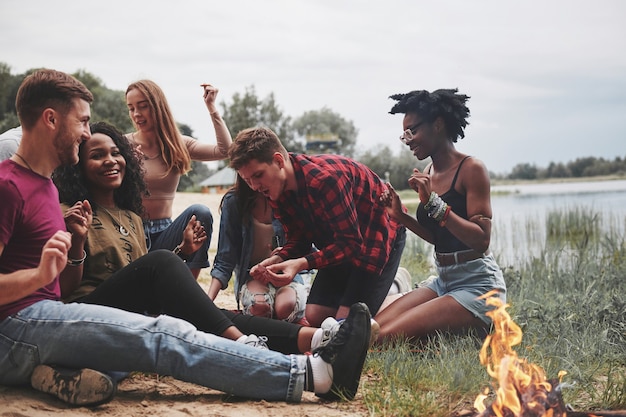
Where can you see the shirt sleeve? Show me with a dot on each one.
(10, 209)
(207, 151)
(229, 242)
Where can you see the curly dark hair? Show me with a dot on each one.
(72, 187)
(444, 103)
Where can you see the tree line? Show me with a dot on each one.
(315, 131)
(578, 168)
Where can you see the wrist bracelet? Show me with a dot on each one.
(177, 249)
(77, 262)
(431, 200)
(445, 216)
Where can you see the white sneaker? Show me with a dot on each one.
(254, 341)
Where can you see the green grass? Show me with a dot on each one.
(570, 305)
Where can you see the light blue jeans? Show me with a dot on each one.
(90, 336)
(467, 281)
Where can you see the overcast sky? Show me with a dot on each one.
(547, 79)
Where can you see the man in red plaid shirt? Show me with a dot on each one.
(331, 202)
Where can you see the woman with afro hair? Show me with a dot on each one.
(454, 214)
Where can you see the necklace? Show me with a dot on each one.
(145, 156)
(24, 160)
(119, 225)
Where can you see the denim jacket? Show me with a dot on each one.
(234, 245)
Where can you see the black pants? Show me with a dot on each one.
(161, 283)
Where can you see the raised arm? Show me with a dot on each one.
(211, 152)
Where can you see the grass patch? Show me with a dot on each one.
(569, 302)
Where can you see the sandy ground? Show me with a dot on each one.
(152, 395)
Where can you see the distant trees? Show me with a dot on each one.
(315, 125)
(248, 110)
(326, 131)
(108, 105)
(393, 168)
(199, 170)
(578, 168)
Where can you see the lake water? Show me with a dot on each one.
(520, 212)
(526, 207)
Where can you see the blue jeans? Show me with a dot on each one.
(166, 234)
(103, 338)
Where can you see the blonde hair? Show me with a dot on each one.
(173, 150)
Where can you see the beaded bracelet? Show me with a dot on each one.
(435, 207)
(77, 262)
(431, 200)
(445, 216)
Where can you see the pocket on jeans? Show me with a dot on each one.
(17, 361)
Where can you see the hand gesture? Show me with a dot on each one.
(420, 182)
(210, 94)
(78, 219)
(194, 236)
(279, 273)
(391, 200)
(139, 152)
(54, 256)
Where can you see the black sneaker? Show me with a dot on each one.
(84, 387)
(346, 353)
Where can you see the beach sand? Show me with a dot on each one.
(154, 395)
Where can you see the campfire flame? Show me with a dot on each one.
(521, 388)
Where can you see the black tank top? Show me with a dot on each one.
(445, 241)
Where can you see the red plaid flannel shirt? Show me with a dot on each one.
(336, 208)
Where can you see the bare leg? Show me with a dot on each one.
(316, 313)
(284, 303)
(421, 313)
(389, 300)
(232, 333)
(260, 292)
(195, 272)
(305, 335)
(342, 312)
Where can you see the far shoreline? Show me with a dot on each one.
(613, 177)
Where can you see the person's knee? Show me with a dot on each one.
(284, 309)
(290, 303)
(256, 302)
(260, 308)
(202, 212)
(161, 256)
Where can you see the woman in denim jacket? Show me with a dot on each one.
(248, 234)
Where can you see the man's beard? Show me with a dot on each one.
(65, 150)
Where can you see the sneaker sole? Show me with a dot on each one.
(85, 387)
(346, 383)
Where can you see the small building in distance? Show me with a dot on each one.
(322, 143)
(219, 182)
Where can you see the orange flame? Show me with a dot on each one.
(521, 388)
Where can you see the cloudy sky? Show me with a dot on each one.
(547, 79)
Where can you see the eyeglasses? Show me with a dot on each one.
(408, 134)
